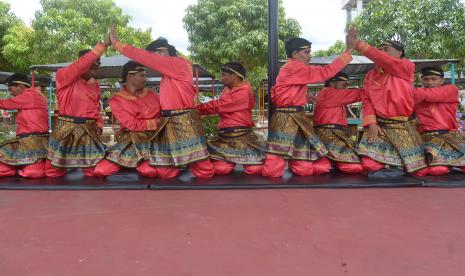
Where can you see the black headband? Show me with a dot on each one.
(230, 70)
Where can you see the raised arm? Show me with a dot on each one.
(168, 66)
(444, 94)
(23, 101)
(339, 97)
(399, 67)
(305, 74)
(71, 73)
(227, 103)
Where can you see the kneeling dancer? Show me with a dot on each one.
(236, 142)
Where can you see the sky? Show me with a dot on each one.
(322, 21)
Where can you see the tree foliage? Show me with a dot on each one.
(429, 29)
(64, 27)
(221, 31)
(336, 49)
(7, 21)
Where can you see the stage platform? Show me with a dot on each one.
(131, 180)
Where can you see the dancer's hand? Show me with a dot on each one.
(373, 132)
(351, 39)
(107, 40)
(113, 35)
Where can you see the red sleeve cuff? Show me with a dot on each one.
(119, 46)
(346, 58)
(99, 49)
(369, 120)
(362, 47)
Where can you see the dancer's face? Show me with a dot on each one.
(432, 81)
(304, 55)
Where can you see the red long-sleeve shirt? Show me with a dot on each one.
(388, 88)
(292, 80)
(76, 96)
(176, 87)
(136, 113)
(234, 107)
(32, 109)
(436, 107)
(331, 104)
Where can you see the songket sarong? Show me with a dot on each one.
(237, 145)
(75, 143)
(131, 148)
(341, 148)
(25, 149)
(398, 144)
(179, 140)
(444, 148)
(291, 136)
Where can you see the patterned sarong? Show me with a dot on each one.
(398, 144)
(131, 148)
(291, 135)
(237, 145)
(444, 148)
(341, 148)
(24, 150)
(75, 145)
(180, 139)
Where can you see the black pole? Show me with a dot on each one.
(272, 51)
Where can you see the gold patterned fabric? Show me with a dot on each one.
(179, 140)
(291, 136)
(341, 148)
(26, 150)
(444, 149)
(73, 145)
(240, 146)
(398, 144)
(131, 148)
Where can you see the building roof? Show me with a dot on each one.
(360, 65)
(112, 67)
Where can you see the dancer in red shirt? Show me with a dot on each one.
(291, 135)
(180, 138)
(330, 122)
(435, 107)
(28, 151)
(387, 103)
(137, 110)
(236, 142)
(75, 139)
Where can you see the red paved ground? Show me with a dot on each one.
(264, 232)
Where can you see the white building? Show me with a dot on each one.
(353, 8)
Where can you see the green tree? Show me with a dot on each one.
(336, 49)
(7, 21)
(429, 29)
(17, 49)
(220, 31)
(63, 27)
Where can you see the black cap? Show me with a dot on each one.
(234, 68)
(432, 71)
(159, 43)
(296, 44)
(396, 45)
(18, 78)
(172, 51)
(131, 67)
(338, 77)
(83, 52)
